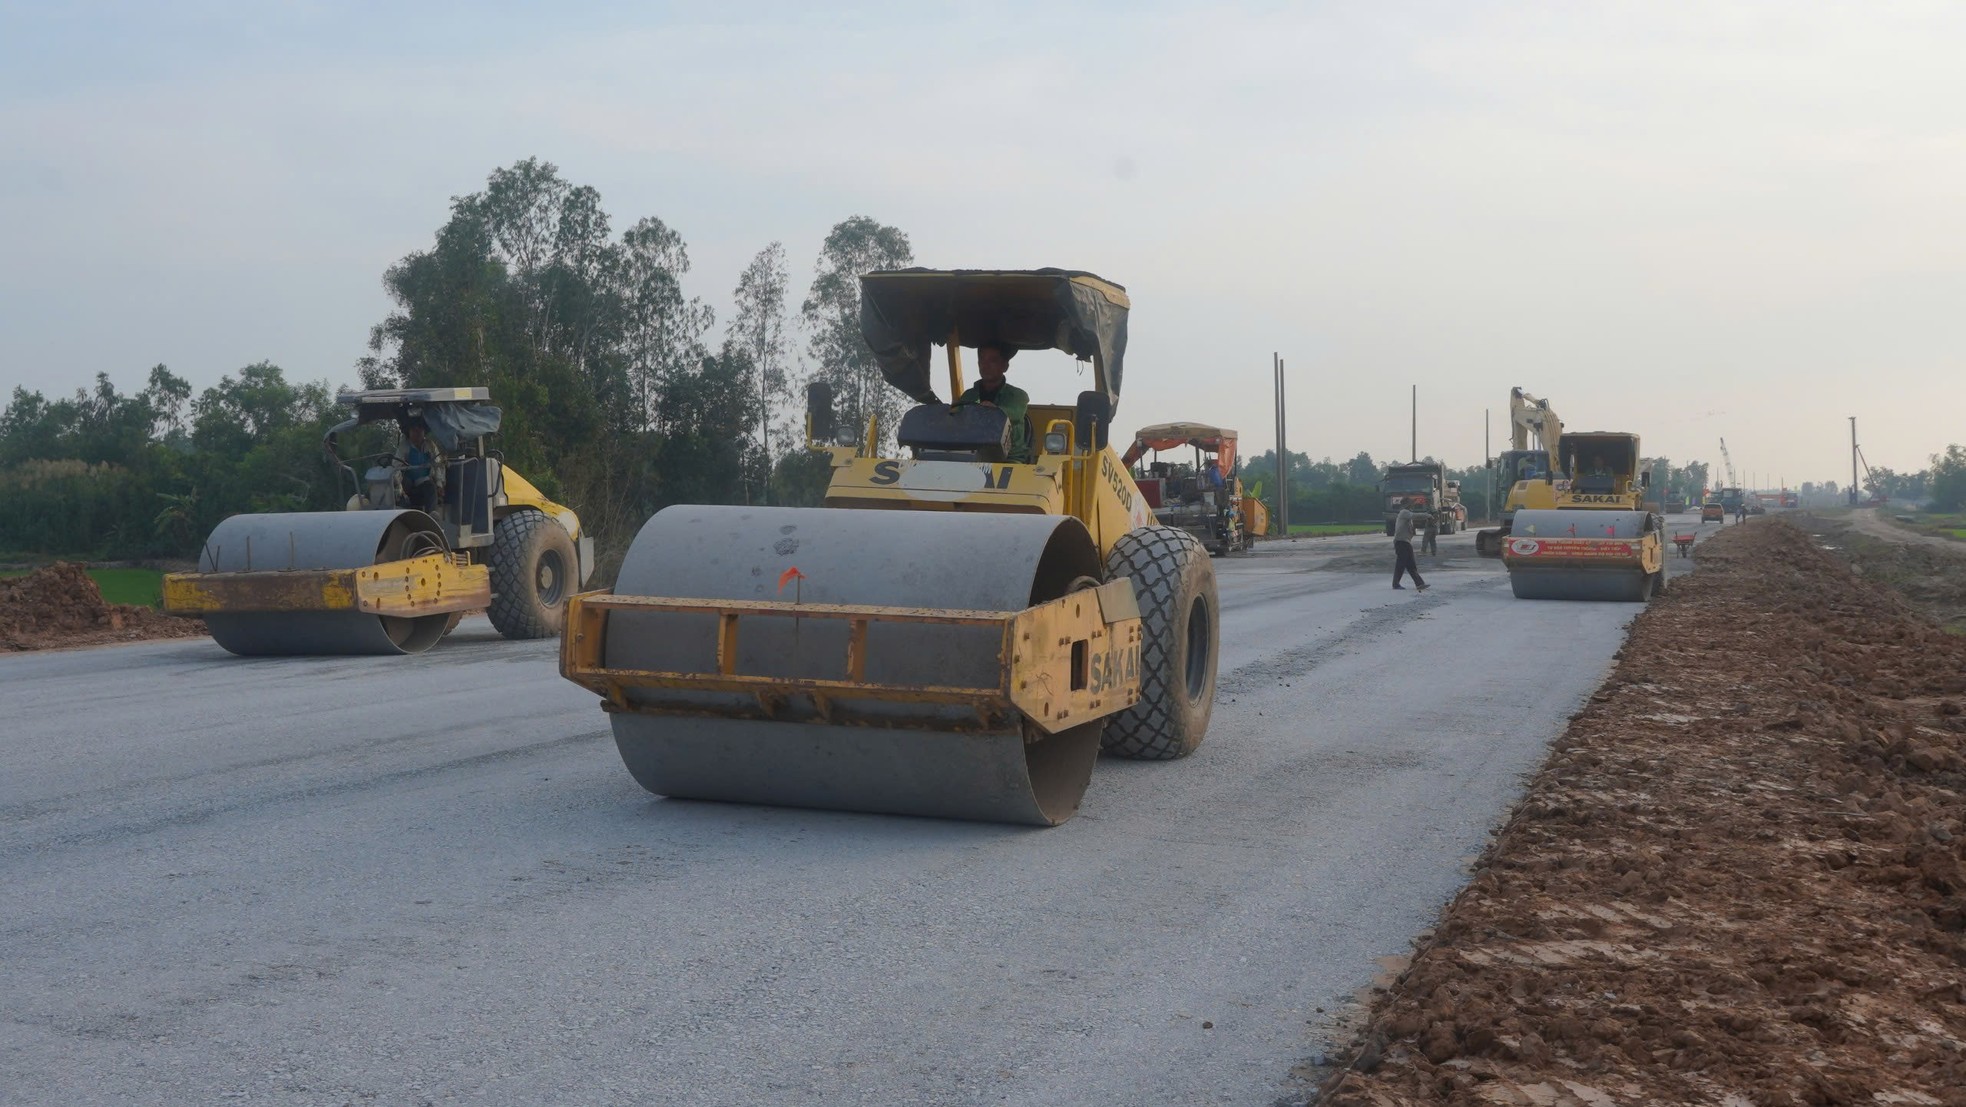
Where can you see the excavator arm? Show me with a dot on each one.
(1531, 416)
(1530, 419)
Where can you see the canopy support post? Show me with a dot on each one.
(955, 348)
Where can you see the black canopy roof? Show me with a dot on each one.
(453, 415)
(904, 312)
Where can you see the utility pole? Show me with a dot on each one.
(1415, 446)
(1488, 461)
(1283, 453)
(1853, 461)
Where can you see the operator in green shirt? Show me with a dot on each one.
(991, 390)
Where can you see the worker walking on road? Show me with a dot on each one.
(1741, 513)
(1429, 537)
(1403, 562)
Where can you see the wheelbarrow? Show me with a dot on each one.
(1683, 543)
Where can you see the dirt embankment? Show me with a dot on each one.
(1928, 572)
(60, 606)
(1738, 880)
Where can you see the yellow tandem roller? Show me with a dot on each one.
(944, 664)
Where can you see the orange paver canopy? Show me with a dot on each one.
(1169, 436)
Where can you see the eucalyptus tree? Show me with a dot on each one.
(757, 331)
(831, 311)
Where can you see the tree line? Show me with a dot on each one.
(1942, 485)
(621, 395)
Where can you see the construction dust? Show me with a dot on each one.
(1737, 880)
(59, 606)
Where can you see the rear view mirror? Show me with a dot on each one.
(820, 425)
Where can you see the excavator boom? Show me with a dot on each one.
(1535, 437)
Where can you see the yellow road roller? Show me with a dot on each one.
(1598, 542)
(433, 529)
(957, 632)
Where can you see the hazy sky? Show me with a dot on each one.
(1689, 221)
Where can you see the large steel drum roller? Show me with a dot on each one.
(295, 541)
(922, 758)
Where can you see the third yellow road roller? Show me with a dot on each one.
(1595, 540)
(957, 632)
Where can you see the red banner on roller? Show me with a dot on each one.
(1571, 547)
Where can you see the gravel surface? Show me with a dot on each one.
(430, 880)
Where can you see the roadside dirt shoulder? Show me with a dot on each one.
(1739, 879)
(1927, 572)
(1875, 525)
(59, 606)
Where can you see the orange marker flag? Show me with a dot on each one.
(788, 576)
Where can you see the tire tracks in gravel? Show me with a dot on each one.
(1361, 634)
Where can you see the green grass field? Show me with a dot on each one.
(1949, 524)
(1327, 530)
(142, 587)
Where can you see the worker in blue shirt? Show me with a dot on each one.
(422, 463)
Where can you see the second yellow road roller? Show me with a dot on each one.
(957, 632)
(435, 528)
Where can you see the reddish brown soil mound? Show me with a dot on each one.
(60, 606)
(1737, 881)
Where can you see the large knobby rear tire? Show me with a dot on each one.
(533, 571)
(1180, 623)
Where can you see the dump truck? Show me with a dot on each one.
(1203, 495)
(1420, 487)
(1526, 470)
(392, 574)
(1597, 541)
(956, 632)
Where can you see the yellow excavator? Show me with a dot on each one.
(1524, 468)
(956, 632)
(392, 573)
(1595, 539)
